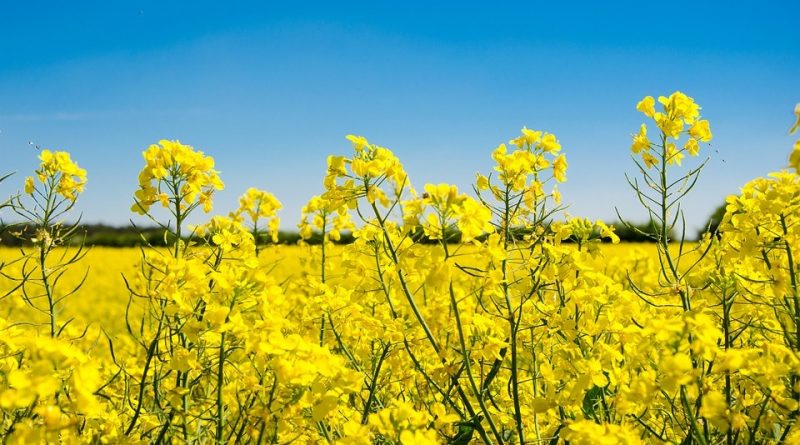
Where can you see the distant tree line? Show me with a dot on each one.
(130, 236)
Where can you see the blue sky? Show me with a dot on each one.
(271, 89)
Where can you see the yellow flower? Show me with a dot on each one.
(474, 219)
(674, 156)
(29, 185)
(715, 410)
(607, 231)
(257, 204)
(337, 167)
(441, 196)
(676, 371)
(586, 432)
(680, 106)
(550, 143)
(700, 131)
(556, 195)
(170, 164)
(692, 147)
(647, 106)
(560, 168)
(51, 414)
(649, 159)
(59, 168)
(482, 182)
(528, 138)
(640, 141)
(670, 125)
(359, 142)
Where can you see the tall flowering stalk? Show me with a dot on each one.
(48, 380)
(757, 270)
(180, 179)
(328, 220)
(680, 133)
(257, 205)
(212, 315)
(49, 196)
(520, 206)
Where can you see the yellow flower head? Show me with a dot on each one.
(680, 106)
(550, 143)
(186, 175)
(441, 195)
(640, 141)
(701, 131)
(674, 156)
(29, 185)
(647, 106)
(474, 219)
(678, 112)
(560, 168)
(649, 160)
(258, 204)
(528, 138)
(359, 142)
(228, 234)
(58, 170)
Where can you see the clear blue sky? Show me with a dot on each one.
(270, 91)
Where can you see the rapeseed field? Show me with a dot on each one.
(535, 329)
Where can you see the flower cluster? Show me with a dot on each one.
(177, 177)
(678, 112)
(529, 159)
(448, 208)
(364, 174)
(325, 217)
(59, 172)
(257, 204)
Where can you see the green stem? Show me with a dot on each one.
(664, 238)
(373, 386)
(726, 321)
(511, 322)
(44, 249)
(322, 278)
(48, 291)
(178, 223)
(795, 301)
(468, 367)
(150, 353)
(692, 419)
(403, 284)
(220, 377)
